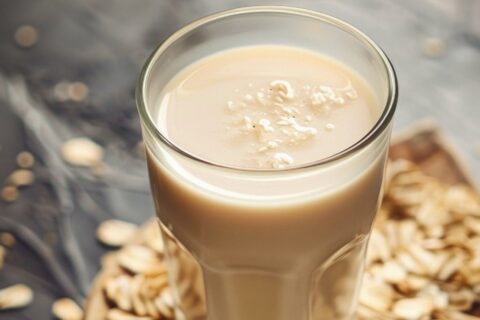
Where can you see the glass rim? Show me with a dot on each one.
(377, 129)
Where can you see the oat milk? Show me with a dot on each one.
(279, 245)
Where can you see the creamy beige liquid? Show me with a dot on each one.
(242, 107)
(272, 246)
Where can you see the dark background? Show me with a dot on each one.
(103, 43)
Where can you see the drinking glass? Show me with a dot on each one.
(234, 254)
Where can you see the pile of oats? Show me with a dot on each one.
(140, 289)
(423, 261)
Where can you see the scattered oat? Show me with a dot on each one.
(433, 47)
(21, 178)
(115, 233)
(67, 309)
(16, 296)
(9, 193)
(82, 152)
(78, 91)
(60, 91)
(231, 105)
(25, 160)
(26, 36)
(266, 125)
(7, 239)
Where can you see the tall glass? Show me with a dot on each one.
(292, 254)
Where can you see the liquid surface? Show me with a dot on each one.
(266, 107)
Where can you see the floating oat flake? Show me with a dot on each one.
(7, 239)
(9, 193)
